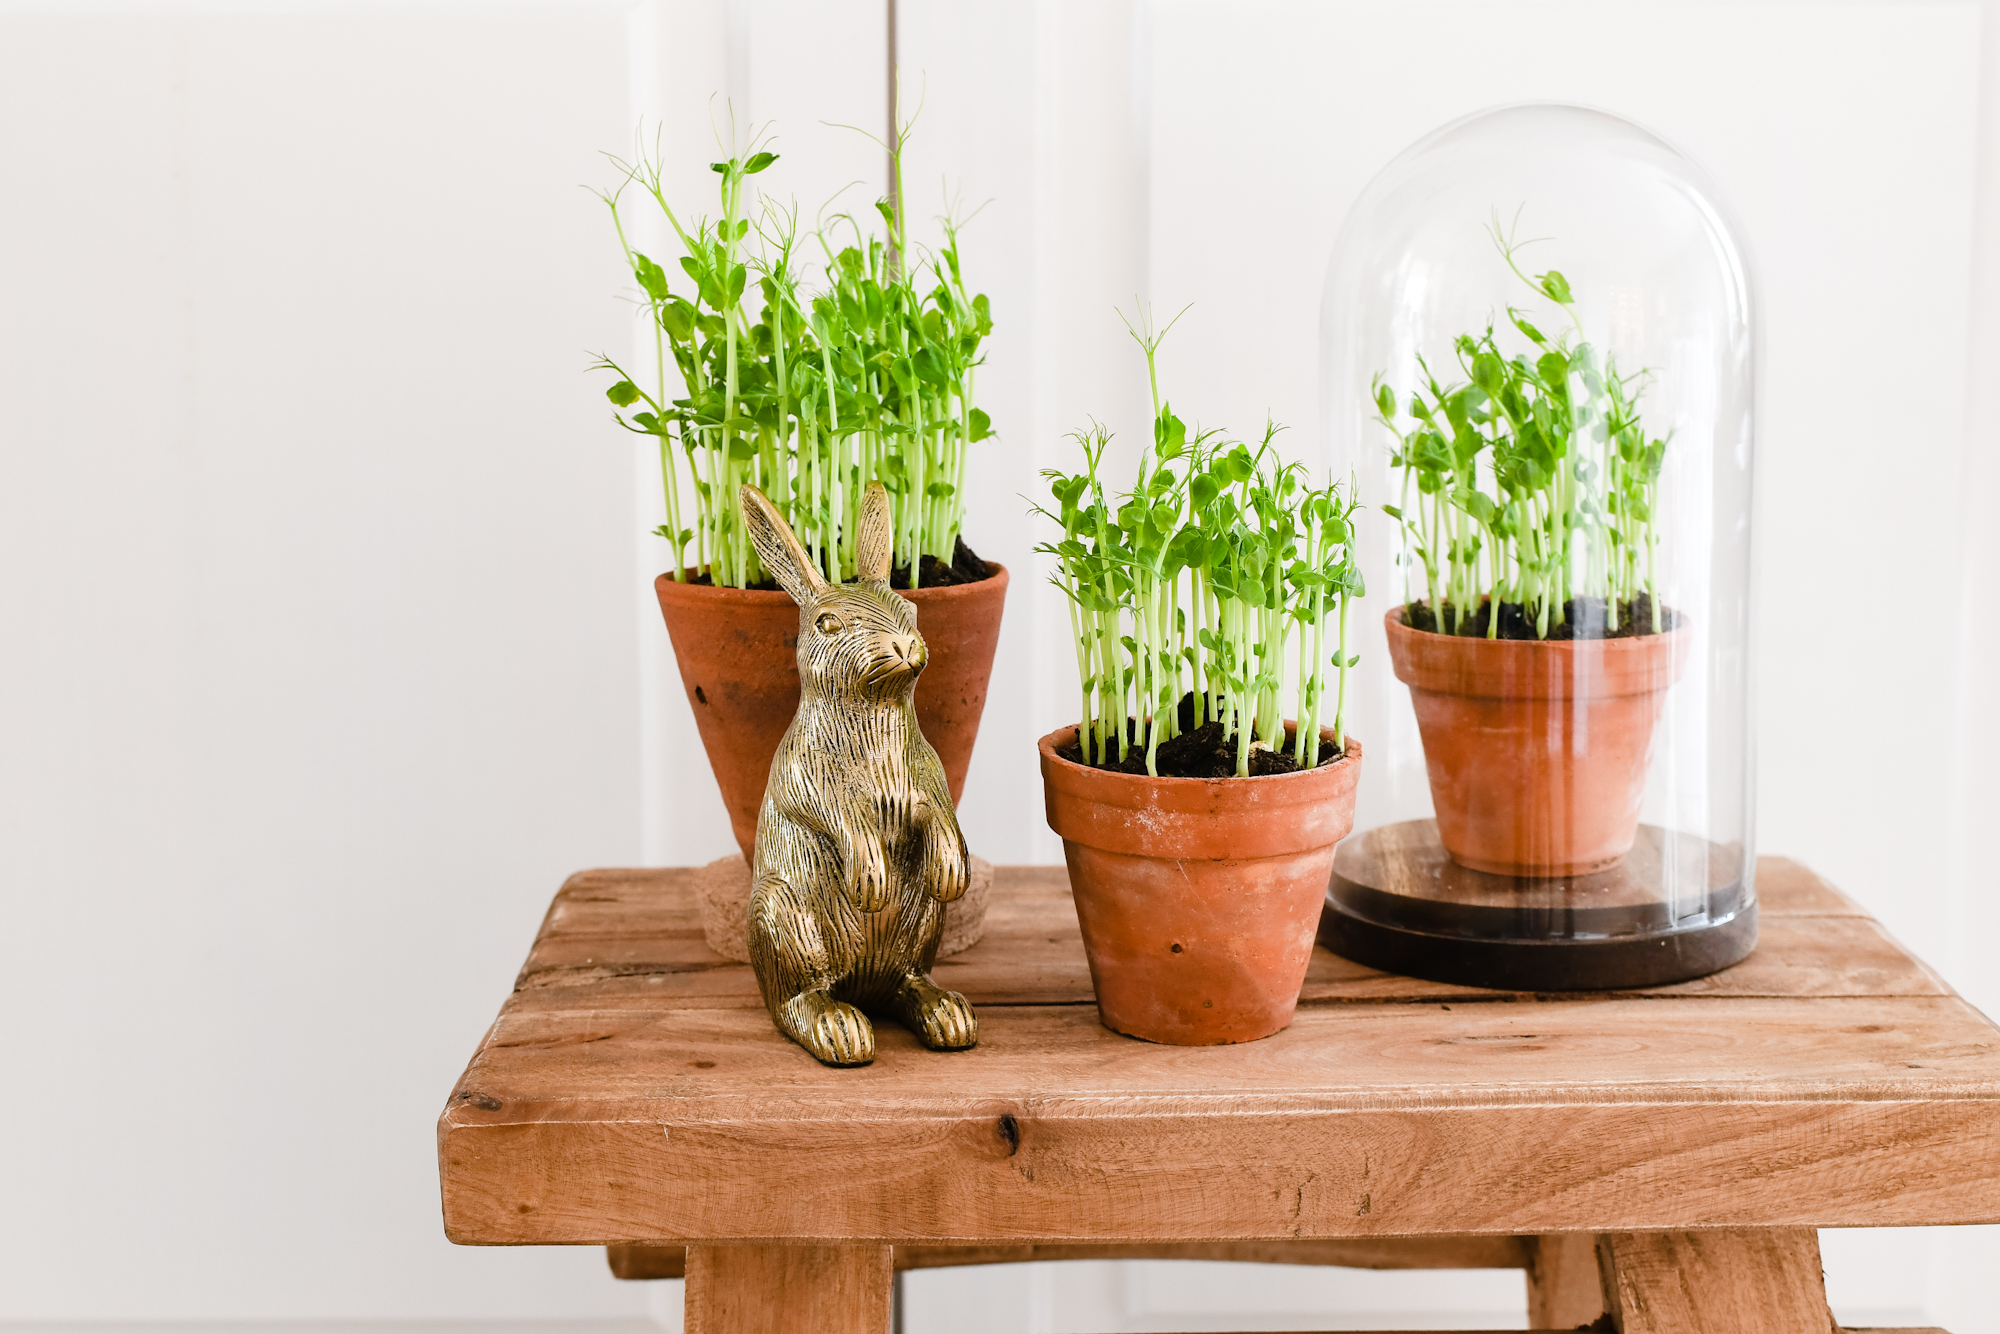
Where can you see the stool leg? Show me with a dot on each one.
(788, 1289)
(1747, 1282)
(1565, 1287)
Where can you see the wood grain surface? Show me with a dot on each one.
(633, 1090)
(788, 1290)
(634, 938)
(646, 1262)
(1764, 1282)
(1565, 1283)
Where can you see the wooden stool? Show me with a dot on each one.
(1655, 1161)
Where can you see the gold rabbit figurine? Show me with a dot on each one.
(858, 847)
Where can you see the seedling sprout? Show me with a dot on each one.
(1535, 484)
(1194, 581)
(870, 378)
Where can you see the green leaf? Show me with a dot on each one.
(624, 393)
(1556, 288)
(982, 425)
(758, 162)
(1487, 372)
(651, 277)
(929, 369)
(678, 318)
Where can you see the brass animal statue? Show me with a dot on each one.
(858, 847)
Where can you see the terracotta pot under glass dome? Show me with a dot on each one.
(1538, 360)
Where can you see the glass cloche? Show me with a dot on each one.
(1538, 361)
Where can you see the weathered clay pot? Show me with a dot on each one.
(737, 653)
(1198, 897)
(1537, 749)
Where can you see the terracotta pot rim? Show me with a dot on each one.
(767, 597)
(1047, 746)
(1393, 619)
(1535, 669)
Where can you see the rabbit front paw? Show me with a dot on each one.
(942, 1019)
(946, 876)
(833, 1031)
(867, 876)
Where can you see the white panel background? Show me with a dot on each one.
(326, 641)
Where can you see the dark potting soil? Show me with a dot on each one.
(1582, 618)
(966, 568)
(1198, 752)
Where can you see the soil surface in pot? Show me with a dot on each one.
(1583, 618)
(966, 568)
(1198, 752)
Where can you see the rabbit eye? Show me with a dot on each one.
(828, 623)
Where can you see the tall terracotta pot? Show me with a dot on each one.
(1537, 749)
(737, 653)
(1198, 897)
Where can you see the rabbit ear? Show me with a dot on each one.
(779, 549)
(878, 544)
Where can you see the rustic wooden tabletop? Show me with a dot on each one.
(1659, 1155)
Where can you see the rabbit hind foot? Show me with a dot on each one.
(942, 1019)
(833, 1031)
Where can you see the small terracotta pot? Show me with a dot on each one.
(1537, 749)
(1198, 897)
(737, 649)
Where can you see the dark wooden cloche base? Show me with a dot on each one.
(1675, 908)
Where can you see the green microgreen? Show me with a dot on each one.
(868, 376)
(1195, 580)
(1532, 481)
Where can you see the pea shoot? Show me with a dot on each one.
(1528, 488)
(1185, 592)
(868, 377)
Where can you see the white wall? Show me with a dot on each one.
(319, 667)
(326, 641)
